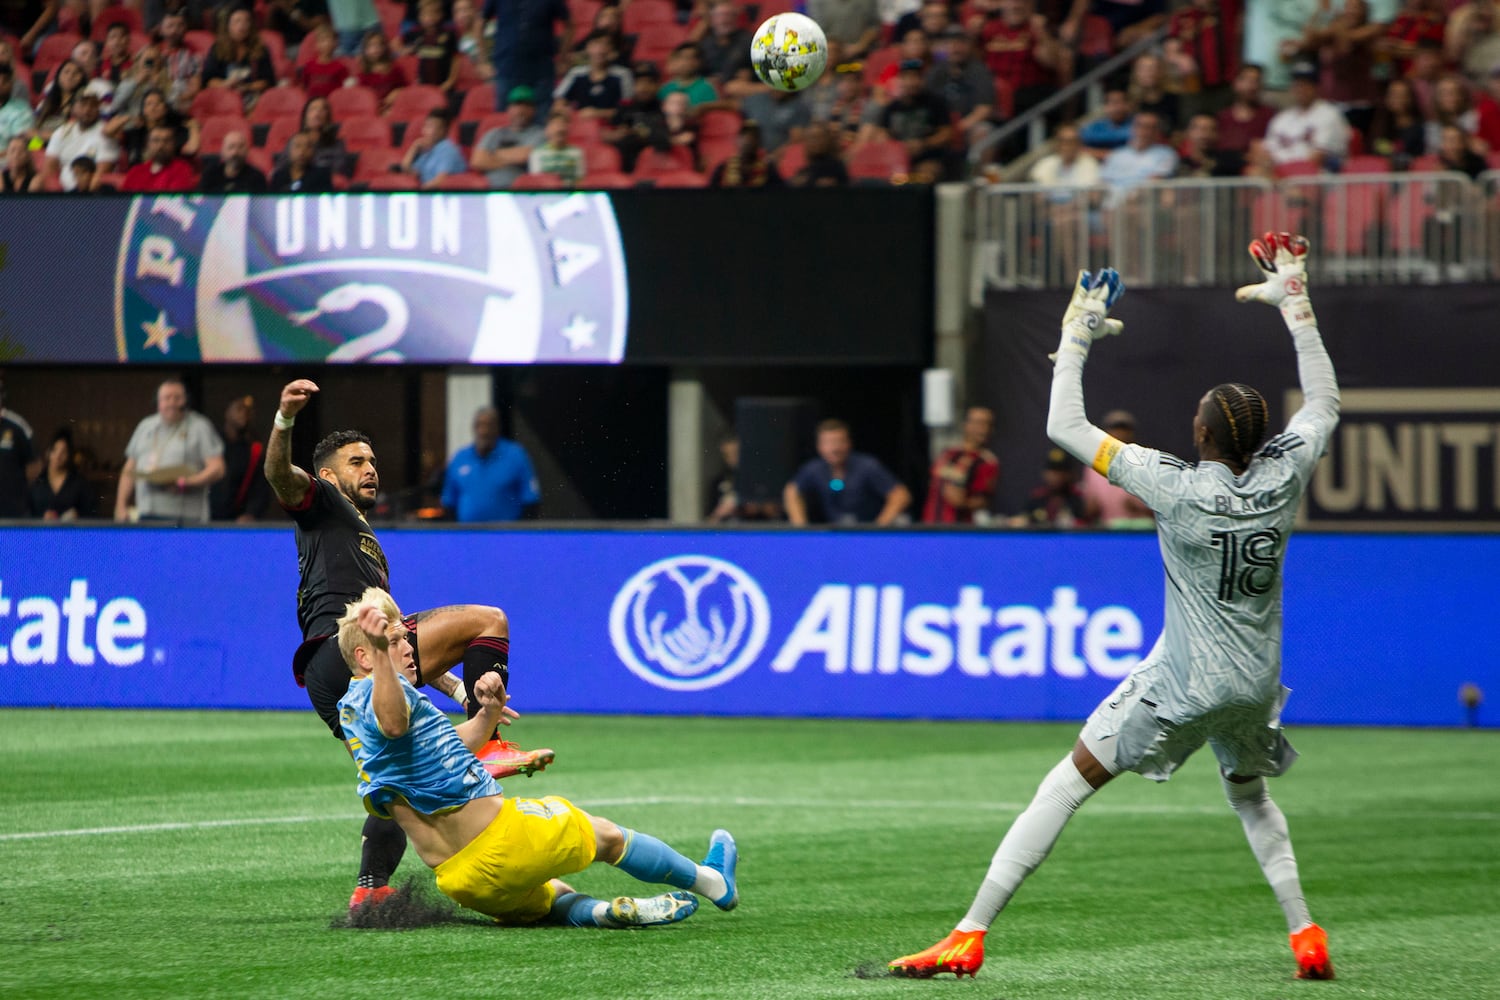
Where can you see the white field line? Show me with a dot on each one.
(736, 802)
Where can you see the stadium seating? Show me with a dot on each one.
(791, 158)
(655, 41)
(128, 16)
(712, 152)
(463, 182)
(394, 182)
(478, 101)
(537, 182)
(53, 50)
(582, 130)
(415, 102)
(681, 179)
(376, 163)
(353, 102)
(878, 161)
(212, 101)
(1366, 165)
(719, 123)
(607, 180)
(600, 157)
(652, 163)
(365, 132)
(279, 102)
(198, 41)
(640, 13)
(215, 128)
(280, 132)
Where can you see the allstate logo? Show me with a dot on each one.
(687, 623)
(497, 278)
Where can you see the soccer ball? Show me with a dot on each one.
(789, 51)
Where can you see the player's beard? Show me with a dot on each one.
(361, 504)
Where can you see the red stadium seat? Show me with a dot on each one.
(582, 130)
(391, 14)
(198, 41)
(877, 61)
(1351, 217)
(606, 180)
(478, 102)
(1425, 164)
(712, 152)
(212, 101)
(261, 160)
(463, 182)
(490, 122)
(353, 102)
(127, 16)
(1298, 168)
(279, 102)
(1366, 165)
(537, 182)
(394, 182)
(53, 49)
(719, 123)
(652, 163)
(878, 161)
(365, 132)
(600, 157)
(280, 133)
(214, 129)
(791, 158)
(681, 179)
(376, 163)
(414, 102)
(581, 14)
(655, 42)
(640, 13)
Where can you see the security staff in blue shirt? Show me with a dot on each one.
(492, 479)
(843, 486)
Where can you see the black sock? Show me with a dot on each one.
(485, 654)
(381, 852)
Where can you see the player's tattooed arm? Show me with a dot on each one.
(452, 686)
(288, 482)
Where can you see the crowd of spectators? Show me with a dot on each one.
(454, 94)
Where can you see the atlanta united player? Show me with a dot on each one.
(1214, 675)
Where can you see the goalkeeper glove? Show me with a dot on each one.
(1086, 319)
(1284, 259)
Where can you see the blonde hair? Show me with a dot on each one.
(351, 636)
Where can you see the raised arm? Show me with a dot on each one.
(288, 482)
(1283, 257)
(1084, 322)
(392, 713)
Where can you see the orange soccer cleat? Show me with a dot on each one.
(503, 758)
(1310, 945)
(369, 895)
(961, 953)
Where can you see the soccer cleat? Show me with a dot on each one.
(961, 953)
(503, 758)
(1310, 945)
(370, 896)
(723, 857)
(669, 908)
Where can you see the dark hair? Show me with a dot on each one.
(332, 443)
(1237, 417)
(832, 424)
(62, 434)
(84, 163)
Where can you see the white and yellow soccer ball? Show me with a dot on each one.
(789, 52)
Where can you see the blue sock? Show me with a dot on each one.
(650, 860)
(574, 909)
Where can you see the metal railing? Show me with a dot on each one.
(1368, 229)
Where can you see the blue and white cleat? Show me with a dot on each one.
(669, 908)
(723, 857)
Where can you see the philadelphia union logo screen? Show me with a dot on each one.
(372, 277)
(689, 622)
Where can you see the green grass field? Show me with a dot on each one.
(156, 854)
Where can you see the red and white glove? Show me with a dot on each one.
(1283, 257)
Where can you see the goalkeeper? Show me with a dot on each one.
(501, 856)
(1214, 674)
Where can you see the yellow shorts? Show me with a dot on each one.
(504, 872)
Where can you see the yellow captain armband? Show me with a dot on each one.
(1108, 449)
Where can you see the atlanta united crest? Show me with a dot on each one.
(504, 278)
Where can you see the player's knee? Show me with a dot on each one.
(492, 621)
(609, 840)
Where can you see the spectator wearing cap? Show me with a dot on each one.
(917, 118)
(555, 155)
(433, 155)
(526, 48)
(599, 87)
(15, 116)
(1055, 502)
(854, 24)
(639, 124)
(725, 46)
(686, 75)
(82, 136)
(163, 169)
(964, 83)
(749, 166)
(1309, 129)
(824, 166)
(230, 173)
(502, 153)
(782, 116)
(843, 486)
(1106, 504)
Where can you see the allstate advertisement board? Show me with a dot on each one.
(1379, 629)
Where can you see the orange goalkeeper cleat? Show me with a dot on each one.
(369, 895)
(503, 758)
(961, 953)
(1310, 945)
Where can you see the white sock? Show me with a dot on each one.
(1266, 829)
(1028, 842)
(709, 884)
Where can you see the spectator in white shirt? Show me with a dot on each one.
(1310, 129)
(82, 136)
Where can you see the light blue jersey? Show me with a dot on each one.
(429, 767)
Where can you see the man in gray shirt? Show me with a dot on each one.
(172, 459)
(501, 153)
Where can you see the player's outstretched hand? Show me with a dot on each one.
(373, 623)
(295, 395)
(489, 690)
(1087, 317)
(1283, 258)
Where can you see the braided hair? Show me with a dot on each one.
(1237, 417)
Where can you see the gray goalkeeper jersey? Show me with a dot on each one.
(1223, 538)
